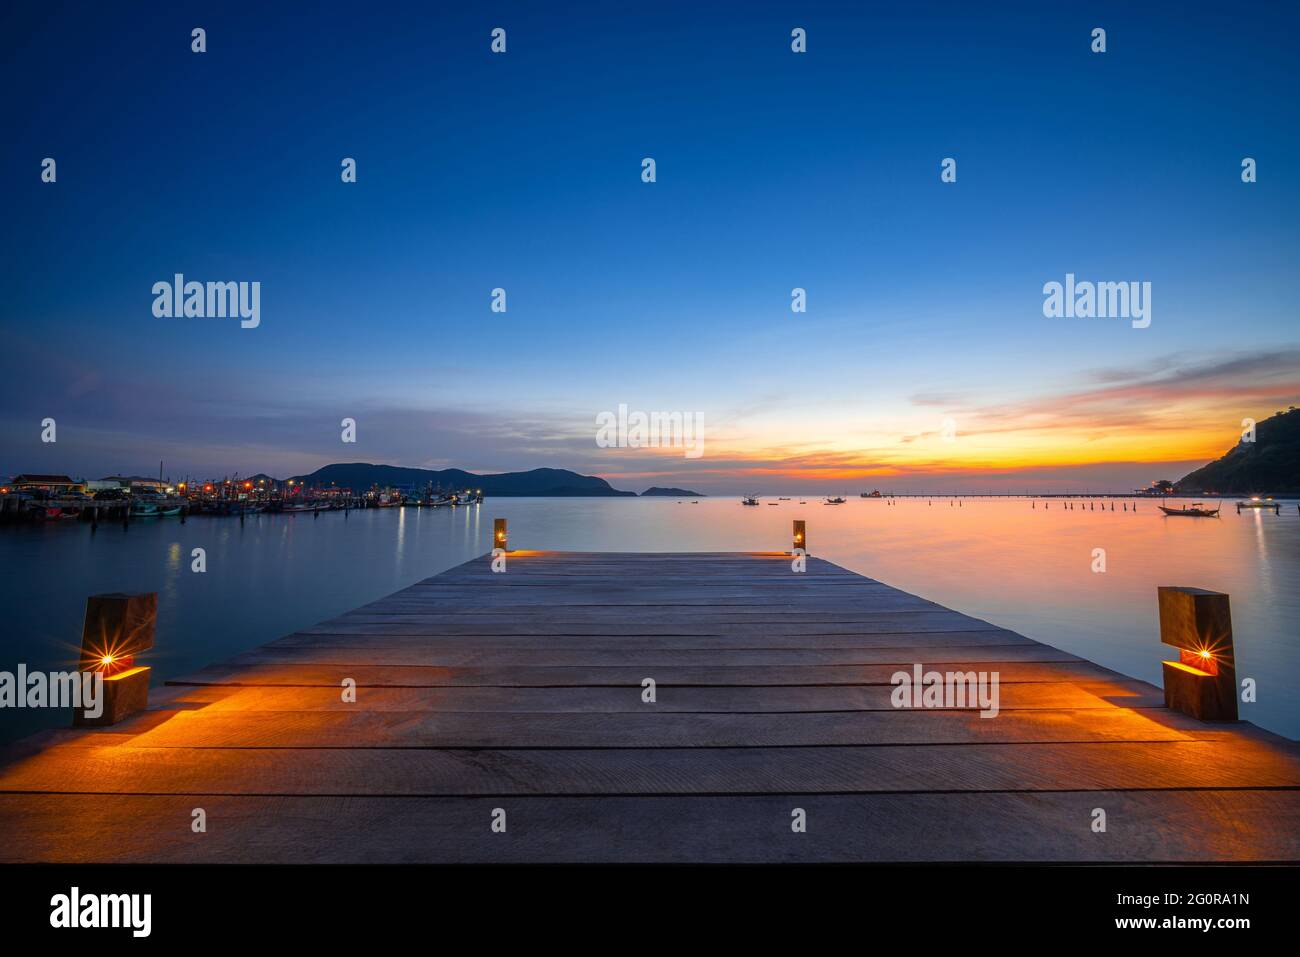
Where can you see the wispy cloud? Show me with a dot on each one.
(1175, 411)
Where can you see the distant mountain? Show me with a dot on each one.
(538, 482)
(678, 492)
(1270, 464)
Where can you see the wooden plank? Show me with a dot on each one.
(1013, 697)
(117, 769)
(843, 636)
(1143, 826)
(299, 667)
(533, 623)
(539, 653)
(240, 723)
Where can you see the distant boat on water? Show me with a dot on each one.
(749, 500)
(835, 501)
(875, 493)
(1258, 502)
(1196, 510)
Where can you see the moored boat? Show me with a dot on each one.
(1195, 510)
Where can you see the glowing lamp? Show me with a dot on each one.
(499, 534)
(800, 536)
(1203, 681)
(117, 628)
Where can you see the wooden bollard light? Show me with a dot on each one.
(1203, 682)
(499, 539)
(800, 536)
(117, 628)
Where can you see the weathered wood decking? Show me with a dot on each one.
(522, 691)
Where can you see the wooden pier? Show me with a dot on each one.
(517, 700)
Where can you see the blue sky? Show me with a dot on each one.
(522, 171)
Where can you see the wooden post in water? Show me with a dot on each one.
(117, 628)
(1203, 682)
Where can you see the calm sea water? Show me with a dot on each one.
(1028, 569)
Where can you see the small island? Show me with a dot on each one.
(678, 492)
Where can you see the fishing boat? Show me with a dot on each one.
(142, 508)
(835, 501)
(1195, 510)
(872, 494)
(749, 500)
(1257, 501)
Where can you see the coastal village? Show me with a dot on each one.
(44, 498)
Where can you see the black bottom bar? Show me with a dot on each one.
(487, 905)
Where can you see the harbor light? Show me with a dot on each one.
(800, 535)
(1203, 681)
(499, 534)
